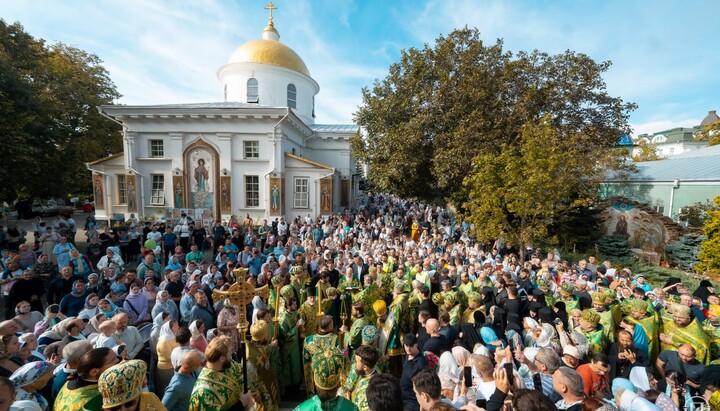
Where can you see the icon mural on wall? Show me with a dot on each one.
(275, 187)
(344, 193)
(131, 193)
(225, 195)
(642, 230)
(177, 186)
(201, 178)
(326, 195)
(98, 191)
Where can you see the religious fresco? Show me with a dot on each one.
(326, 195)
(225, 195)
(200, 162)
(98, 191)
(131, 193)
(344, 193)
(178, 192)
(275, 194)
(643, 230)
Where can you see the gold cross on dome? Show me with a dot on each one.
(270, 7)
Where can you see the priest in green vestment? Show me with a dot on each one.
(327, 367)
(591, 328)
(322, 341)
(366, 358)
(599, 302)
(684, 329)
(289, 341)
(649, 322)
(353, 339)
(258, 356)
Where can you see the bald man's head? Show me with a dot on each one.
(432, 326)
(191, 362)
(8, 327)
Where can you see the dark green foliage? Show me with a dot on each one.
(696, 214)
(50, 125)
(579, 229)
(683, 253)
(614, 247)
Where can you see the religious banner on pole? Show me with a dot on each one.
(98, 191)
(131, 193)
(225, 195)
(276, 194)
(326, 195)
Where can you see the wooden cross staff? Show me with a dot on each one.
(241, 294)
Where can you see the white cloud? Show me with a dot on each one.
(661, 125)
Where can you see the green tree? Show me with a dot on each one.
(709, 256)
(441, 105)
(710, 133)
(647, 152)
(50, 125)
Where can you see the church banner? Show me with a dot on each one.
(276, 194)
(131, 193)
(98, 191)
(344, 193)
(177, 185)
(225, 195)
(326, 195)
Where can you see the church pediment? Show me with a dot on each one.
(293, 161)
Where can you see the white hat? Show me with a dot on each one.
(572, 351)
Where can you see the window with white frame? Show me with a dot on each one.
(251, 149)
(291, 96)
(301, 197)
(253, 95)
(157, 148)
(121, 189)
(252, 191)
(157, 195)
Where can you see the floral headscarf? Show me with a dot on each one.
(28, 374)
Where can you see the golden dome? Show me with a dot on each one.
(269, 50)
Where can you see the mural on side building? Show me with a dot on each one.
(201, 179)
(642, 230)
(98, 191)
(225, 195)
(326, 195)
(131, 193)
(275, 194)
(177, 186)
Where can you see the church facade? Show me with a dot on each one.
(258, 152)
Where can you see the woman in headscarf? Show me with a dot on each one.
(561, 313)
(198, 340)
(513, 331)
(81, 266)
(491, 340)
(539, 297)
(498, 321)
(257, 304)
(671, 286)
(627, 400)
(25, 317)
(150, 292)
(529, 324)
(164, 303)
(9, 346)
(227, 321)
(166, 344)
(90, 308)
(704, 290)
(30, 379)
(136, 306)
(449, 374)
(32, 343)
(469, 333)
(488, 299)
(107, 308)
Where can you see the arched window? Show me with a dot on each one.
(252, 91)
(291, 96)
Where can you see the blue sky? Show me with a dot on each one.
(665, 54)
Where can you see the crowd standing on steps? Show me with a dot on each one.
(389, 306)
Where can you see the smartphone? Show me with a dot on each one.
(537, 382)
(467, 376)
(509, 371)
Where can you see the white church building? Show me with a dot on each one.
(259, 152)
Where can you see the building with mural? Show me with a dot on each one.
(259, 151)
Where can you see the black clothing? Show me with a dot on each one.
(513, 306)
(451, 333)
(23, 290)
(410, 368)
(436, 345)
(621, 368)
(59, 288)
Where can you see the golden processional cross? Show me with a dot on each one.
(240, 295)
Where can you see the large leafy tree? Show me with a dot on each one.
(710, 133)
(448, 113)
(49, 122)
(709, 256)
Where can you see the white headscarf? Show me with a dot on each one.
(258, 304)
(166, 332)
(196, 335)
(449, 372)
(639, 378)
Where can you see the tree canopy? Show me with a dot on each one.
(49, 123)
(709, 256)
(710, 133)
(460, 120)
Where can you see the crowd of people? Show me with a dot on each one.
(389, 306)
